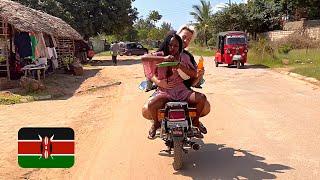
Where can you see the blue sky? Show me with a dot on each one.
(176, 12)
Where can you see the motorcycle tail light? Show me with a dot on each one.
(192, 113)
(176, 115)
(160, 115)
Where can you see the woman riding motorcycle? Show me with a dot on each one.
(172, 88)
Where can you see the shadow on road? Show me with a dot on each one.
(219, 162)
(256, 66)
(248, 66)
(63, 86)
(121, 62)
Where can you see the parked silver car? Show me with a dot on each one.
(132, 48)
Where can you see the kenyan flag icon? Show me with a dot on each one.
(46, 147)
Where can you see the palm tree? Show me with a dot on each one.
(202, 15)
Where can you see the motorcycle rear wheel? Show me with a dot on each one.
(178, 155)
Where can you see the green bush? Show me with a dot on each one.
(285, 49)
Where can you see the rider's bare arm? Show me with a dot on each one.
(196, 80)
(190, 72)
(150, 57)
(163, 83)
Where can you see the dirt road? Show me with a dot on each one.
(263, 125)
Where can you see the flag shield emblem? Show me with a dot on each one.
(46, 147)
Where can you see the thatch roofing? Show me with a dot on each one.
(30, 20)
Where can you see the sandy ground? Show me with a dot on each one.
(263, 125)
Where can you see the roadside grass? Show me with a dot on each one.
(309, 71)
(300, 61)
(104, 53)
(201, 51)
(8, 98)
(266, 60)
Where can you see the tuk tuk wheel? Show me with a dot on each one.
(216, 63)
(238, 64)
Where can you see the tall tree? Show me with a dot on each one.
(202, 15)
(154, 16)
(90, 17)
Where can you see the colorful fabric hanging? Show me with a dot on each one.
(34, 44)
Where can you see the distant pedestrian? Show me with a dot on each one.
(115, 50)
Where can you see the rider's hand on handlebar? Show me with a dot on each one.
(200, 72)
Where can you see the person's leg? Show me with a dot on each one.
(145, 111)
(206, 109)
(198, 100)
(154, 105)
(115, 60)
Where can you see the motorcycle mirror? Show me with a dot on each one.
(143, 85)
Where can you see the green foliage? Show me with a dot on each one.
(90, 17)
(154, 16)
(253, 17)
(147, 31)
(285, 49)
(308, 70)
(201, 51)
(67, 61)
(202, 14)
(155, 34)
(12, 99)
(302, 61)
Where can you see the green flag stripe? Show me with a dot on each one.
(55, 162)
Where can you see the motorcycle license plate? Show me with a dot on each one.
(177, 132)
(237, 57)
(172, 124)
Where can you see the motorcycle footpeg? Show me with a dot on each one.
(166, 151)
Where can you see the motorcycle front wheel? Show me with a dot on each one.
(178, 155)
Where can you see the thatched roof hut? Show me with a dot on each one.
(27, 19)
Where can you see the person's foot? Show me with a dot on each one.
(153, 130)
(202, 128)
(199, 136)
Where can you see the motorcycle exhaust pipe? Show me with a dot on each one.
(195, 146)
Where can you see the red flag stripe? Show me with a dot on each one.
(29, 148)
(34, 148)
(62, 148)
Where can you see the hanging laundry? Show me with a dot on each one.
(41, 50)
(34, 44)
